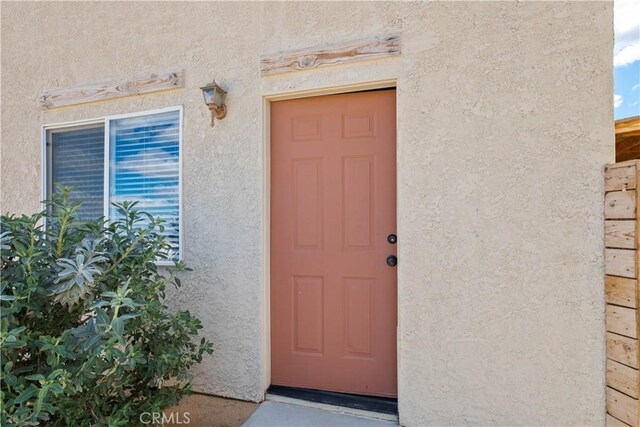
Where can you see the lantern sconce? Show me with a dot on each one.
(214, 97)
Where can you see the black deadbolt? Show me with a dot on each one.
(392, 238)
(392, 260)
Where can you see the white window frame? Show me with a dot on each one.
(105, 122)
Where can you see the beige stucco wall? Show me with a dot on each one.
(504, 124)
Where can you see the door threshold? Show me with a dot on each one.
(368, 406)
(342, 410)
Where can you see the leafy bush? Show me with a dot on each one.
(85, 336)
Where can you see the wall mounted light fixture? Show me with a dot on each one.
(214, 97)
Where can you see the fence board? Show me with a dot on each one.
(621, 320)
(620, 262)
(620, 205)
(623, 378)
(621, 291)
(620, 234)
(622, 407)
(614, 422)
(622, 349)
(617, 178)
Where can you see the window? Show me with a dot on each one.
(77, 160)
(121, 158)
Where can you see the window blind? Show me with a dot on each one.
(77, 160)
(145, 168)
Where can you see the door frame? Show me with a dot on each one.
(266, 202)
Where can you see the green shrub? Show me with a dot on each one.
(85, 336)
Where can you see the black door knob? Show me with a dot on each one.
(392, 238)
(392, 260)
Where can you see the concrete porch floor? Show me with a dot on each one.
(212, 411)
(278, 414)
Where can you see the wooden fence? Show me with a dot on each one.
(622, 256)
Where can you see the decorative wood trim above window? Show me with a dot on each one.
(342, 53)
(110, 89)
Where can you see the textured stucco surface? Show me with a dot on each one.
(504, 125)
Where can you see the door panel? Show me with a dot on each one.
(333, 204)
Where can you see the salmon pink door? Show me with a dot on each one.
(333, 209)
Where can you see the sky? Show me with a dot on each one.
(626, 59)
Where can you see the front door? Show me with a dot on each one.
(333, 209)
